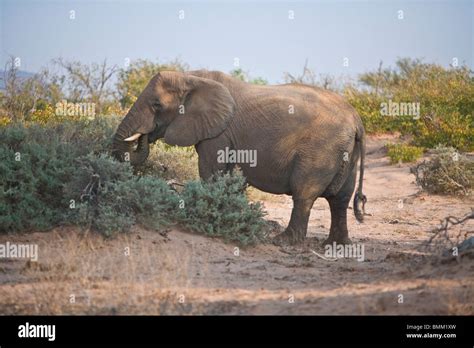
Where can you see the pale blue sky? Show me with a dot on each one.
(259, 33)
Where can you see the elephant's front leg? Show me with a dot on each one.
(297, 228)
(208, 152)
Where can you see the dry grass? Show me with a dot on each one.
(78, 274)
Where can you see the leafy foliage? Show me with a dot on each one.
(220, 208)
(112, 199)
(33, 167)
(25, 94)
(403, 153)
(36, 162)
(446, 98)
(244, 76)
(58, 173)
(133, 80)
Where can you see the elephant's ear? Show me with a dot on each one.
(204, 113)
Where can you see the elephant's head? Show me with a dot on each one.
(179, 107)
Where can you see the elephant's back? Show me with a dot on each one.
(298, 105)
(320, 98)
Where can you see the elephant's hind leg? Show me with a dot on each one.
(297, 228)
(338, 205)
(338, 232)
(306, 187)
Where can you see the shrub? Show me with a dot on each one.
(151, 199)
(102, 218)
(112, 199)
(368, 106)
(45, 115)
(445, 97)
(4, 121)
(244, 76)
(94, 188)
(171, 162)
(220, 208)
(448, 172)
(447, 128)
(63, 175)
(403, 153)
(35, 163)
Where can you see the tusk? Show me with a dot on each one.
(134, 137)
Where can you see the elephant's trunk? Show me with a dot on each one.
(123, 151)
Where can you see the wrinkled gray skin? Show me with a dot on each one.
(308, 153)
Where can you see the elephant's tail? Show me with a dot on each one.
(359, 198)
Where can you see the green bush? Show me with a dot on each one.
(92, 187)
(446, 128)
(63, 176)
(220, 208)
(151, 199)
(403, 153)
(447, 172)
(367, 105)
(35, 163)
(33, 167)
(445, 97)
(112, 199)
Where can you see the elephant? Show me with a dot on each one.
(308, 140)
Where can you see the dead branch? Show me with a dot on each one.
(441, 235)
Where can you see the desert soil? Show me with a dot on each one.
(177, 272)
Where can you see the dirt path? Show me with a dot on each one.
(182, 273)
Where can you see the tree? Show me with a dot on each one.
(24, 94)
(244, 76)
(309, 77)
(88, 82)
(133, 80)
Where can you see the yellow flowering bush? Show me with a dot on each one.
(44, 115)
(402, 153)
(445, 98)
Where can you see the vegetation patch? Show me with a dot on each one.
(402, 153)
(444, 100)
(447, 172)
(60, 173)
(220, 208)
(35, 163)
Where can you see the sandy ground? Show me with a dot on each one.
(177, 272)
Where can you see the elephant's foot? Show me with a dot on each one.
(338, 240)
(289, 237)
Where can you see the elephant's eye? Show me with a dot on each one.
(157, 106)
